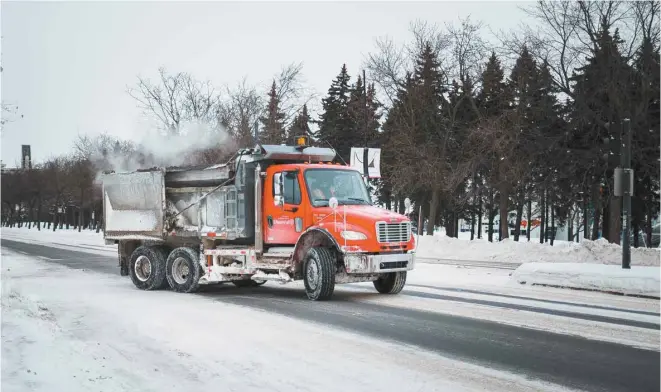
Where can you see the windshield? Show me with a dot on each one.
(345, 185)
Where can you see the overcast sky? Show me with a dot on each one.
(67, 65)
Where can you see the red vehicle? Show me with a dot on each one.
(278, 213)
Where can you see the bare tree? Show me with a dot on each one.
(564, 33)
(291, 91)
(240, 111)
(176, 98)
(389, 64)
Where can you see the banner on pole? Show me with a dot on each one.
(373, 161)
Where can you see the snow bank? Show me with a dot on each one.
(600, 277)
(508, 250)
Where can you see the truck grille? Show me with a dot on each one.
(393, 232)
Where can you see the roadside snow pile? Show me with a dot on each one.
(599, 277)
(508, 250)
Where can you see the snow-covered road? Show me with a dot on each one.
(70, 322)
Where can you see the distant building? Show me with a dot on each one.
(26, 157)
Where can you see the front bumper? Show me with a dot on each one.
(358, 263)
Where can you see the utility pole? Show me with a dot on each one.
(366, 150)
(624, 188)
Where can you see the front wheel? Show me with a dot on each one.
(391, 283)
(319, 273)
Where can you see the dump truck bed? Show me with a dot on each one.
(150, 205)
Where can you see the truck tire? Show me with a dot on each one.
(319, 273)
(183, 270)
(147, 267)
(248, 283)
(391, 283)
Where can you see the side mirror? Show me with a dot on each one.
(278, 200)
(407, 203)
(278, 191)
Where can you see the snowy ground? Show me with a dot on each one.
(70, 329)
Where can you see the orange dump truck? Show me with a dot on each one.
(274, 212)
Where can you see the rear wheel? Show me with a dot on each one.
(147, 267)
(391, 283)
(184, 270)
(319, 273)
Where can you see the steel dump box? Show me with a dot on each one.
(155, 204)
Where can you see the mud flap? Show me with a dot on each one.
(123, 258)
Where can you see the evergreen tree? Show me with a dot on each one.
(334, 122)
(494, 142)
(646, 140)
(603, 92)
(301, 125)
(273, 131)
(494, 98)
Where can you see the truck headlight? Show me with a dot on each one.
(353, 235)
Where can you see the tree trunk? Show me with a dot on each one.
(552, 212)
(39, 214)
(615, 219)
(636, 236)
(479, 216)
(433, 207)
(586, 225)
(402, 206)
(542, 220)
(519, 217)
(546, 215)
(491, 215)
(529, 225)
(504, 211)
(472, 224)
(648, 230)
(605, 221)
(596, 202)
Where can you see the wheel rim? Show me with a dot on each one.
(180, 270)
(142, 268)
(313, 274)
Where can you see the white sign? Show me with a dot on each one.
(373, 161)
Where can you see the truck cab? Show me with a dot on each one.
(277, 213)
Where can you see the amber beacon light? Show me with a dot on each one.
(301, 141)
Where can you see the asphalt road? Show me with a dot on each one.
(565, 360)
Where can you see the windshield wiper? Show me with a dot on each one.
(362, 201)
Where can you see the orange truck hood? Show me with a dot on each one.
(362, 219)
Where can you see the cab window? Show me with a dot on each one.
(291, 189)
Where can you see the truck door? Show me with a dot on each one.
(283, 212)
